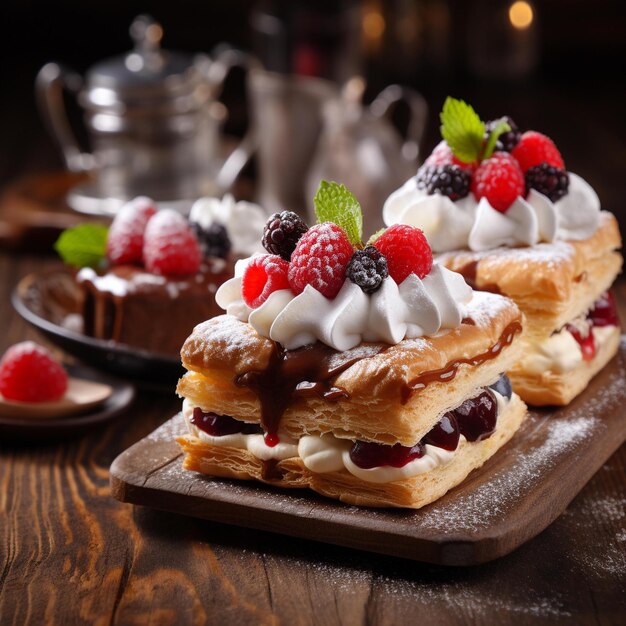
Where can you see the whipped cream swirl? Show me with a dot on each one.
(415, 308)
(243, 221)
(478, 226)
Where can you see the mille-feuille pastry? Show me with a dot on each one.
(499, 207)
(369, 374)
(159, 271)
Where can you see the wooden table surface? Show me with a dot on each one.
(71, 554)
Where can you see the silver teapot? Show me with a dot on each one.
(153, 121)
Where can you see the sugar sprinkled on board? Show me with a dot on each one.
(490, 499)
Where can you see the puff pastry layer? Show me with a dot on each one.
(378, 407)
(413, 492)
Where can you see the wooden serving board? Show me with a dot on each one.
(512, 498)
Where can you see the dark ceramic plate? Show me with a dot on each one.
(49, 301)
(33, 429)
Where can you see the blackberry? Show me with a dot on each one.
(367, 269)
(214, 240)
(507, 141)
(549, 180)
(448, 180)
(503, 386)
(282, 232)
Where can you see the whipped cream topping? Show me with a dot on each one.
(478, 226)
(243, 221)
(415, 308)
(326, 453)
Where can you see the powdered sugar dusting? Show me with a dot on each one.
(490, 500)
(225, 331)
(602, 553)
(485, 306)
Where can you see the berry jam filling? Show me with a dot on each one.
(587, 343)
(603, 313)
(221, 425)
(367, 455)
(475, 419)
(477, 416)
(445, 434)
(503, 386)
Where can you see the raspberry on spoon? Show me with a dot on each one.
(29, 373)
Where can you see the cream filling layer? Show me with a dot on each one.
(560, 353)
(326, 453)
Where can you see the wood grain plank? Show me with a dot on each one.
(523, 488)
(574, 571)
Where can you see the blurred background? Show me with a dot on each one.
(295, 80)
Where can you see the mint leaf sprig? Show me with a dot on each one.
(335, 203)
(464, 131)
(83, 246)
(501, 127)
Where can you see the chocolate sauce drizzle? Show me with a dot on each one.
(311, 371)
(448, 372)
(469, 271)
(305, 372)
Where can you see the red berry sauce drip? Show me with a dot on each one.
(477, 416)
(604, 312)
(587, 344)
(221, 425)
(304, 372)
(271, 439)
(445, 434)
(367, 455)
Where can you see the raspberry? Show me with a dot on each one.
(214, 240)
(535, 148)
(368, 269)
(507, 141)
(442, 155)
(282, 232)
(548, 180)
(407, 251)
(125, 241)
(29, 373)
(447, 180)
(264, 274)
(320, 260)
(170, 247)
(500, 180)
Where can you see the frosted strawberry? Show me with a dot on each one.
(170, 246)
(264, 275)
(534, 148)
(442, 155)
(407, 251)
(500, 180)
(320, 259)
(125, 240)
(29, 373)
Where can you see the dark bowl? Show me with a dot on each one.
(47, 429)
(49, 301)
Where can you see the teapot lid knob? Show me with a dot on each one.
(147, 33)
